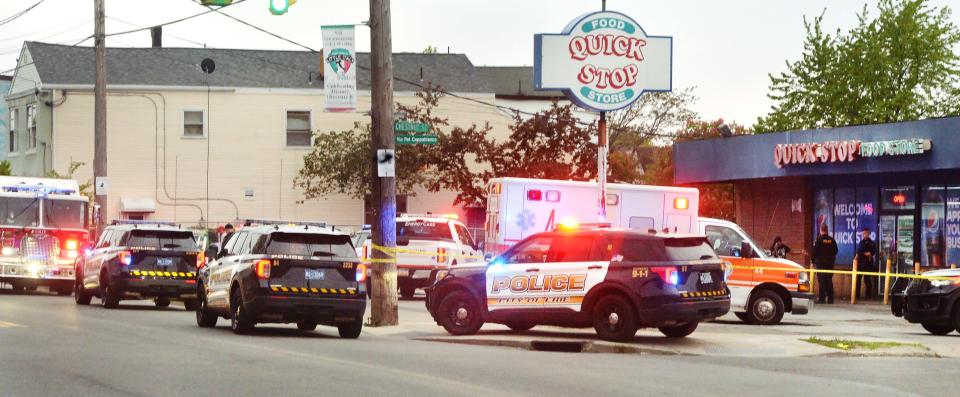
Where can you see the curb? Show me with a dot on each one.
(536, 345)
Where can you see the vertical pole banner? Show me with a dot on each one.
(339, 68)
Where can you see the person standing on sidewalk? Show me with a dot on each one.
(824, 256)
(867, 261)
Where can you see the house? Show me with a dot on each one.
(191, 147)
(4, 116)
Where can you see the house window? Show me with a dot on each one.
(193, 124)
(12, 134)
(31, 127)
(298, 129)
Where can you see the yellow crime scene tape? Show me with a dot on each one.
(850, 272)
(394, 251)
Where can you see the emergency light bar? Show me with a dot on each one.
(142, 222)
(431, 215)
(39, 189)
(581, 226)
(277, 222)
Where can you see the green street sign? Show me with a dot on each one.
(416, 139)
(411, 126)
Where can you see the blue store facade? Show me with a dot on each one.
(900, 180)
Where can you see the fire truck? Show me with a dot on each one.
(43, 229)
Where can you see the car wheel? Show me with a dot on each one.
(679, 331)
(407, 292)
(766, 308)
(80, 294)
(240, 321)
(205, 319)
(520, 325)
(938, 329)
(109, 298)
(306, 325)
(743, 316)
(349, 330)
(460, 314)
(614, 318)
(162, 302)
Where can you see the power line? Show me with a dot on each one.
(168, 34)
(13, 17)
(175, 21)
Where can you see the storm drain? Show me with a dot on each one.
(559, 346)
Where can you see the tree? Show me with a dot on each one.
(430, 50)
(71, 170)
(899, 66)
(6, 169)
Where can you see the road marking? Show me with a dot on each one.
(4, 324)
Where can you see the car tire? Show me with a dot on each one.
(240, 321)
(460, 314)
(679, 331)
(743, 317)
(80, 295)
(205, 319)
(109, 298)
(349, 330)
(765, 308)
(614, 318)
(938, 329)
(520, 326)
(161, 302)
(407, 293)
(306, 325)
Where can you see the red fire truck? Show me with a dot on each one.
(43, 228)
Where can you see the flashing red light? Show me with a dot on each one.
(681, 203)
(263, 269)
(126, 258)
(191, 281)
(71, 245)
(201, 260)
(361, 273)
(534, 195)
(668, 274)
(441, 255)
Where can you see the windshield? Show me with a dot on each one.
(689, 249)
(158, 239)
(67, 214)
(306, 244)
(757, 248)
(423, 230)
(20, 211)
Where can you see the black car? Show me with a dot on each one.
(284, 273)
(933, 303)
(614, 280)
(140, 260)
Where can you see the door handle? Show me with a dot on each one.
(594, 267)
(532, 270)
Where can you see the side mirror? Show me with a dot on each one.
(746, 250)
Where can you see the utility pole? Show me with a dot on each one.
(384, 264)
(100, 114)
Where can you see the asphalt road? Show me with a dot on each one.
(51, 347)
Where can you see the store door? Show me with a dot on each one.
(896, 242)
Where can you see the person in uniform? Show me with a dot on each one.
(824, 256)
(867, 261)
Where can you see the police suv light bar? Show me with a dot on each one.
(581, 226)
(142, 222)
(40, 189)
(277, 222)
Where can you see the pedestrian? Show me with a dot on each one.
(779, 249)
(824, 256)
(867, 261)
(227, 232)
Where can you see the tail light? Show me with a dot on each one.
(361, 273)
(201, 260)
(441, 255)
(125, 257)
(263, 268)
(668, 274)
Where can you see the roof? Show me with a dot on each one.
(168, 66)
(515, 82)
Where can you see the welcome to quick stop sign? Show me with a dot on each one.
(603, 61)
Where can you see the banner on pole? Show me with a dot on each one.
(339, 68)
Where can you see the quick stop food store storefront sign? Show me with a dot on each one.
(603, 61)
(846, 151)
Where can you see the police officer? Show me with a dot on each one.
(824, 256)
(867, 261)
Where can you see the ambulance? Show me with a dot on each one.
(762, 288)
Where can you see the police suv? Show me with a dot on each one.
(281, 272)
(615, 280)
(934, 303)
(138, 260)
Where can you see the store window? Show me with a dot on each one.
(846, 211)
(822, 210)
(899, 198)
(952, 225)
(932, 228)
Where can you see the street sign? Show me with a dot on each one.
(101, 186)
(416, 140)
(386, 159)
(410, 126)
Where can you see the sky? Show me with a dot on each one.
(726, 49)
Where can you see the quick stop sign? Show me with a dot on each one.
(603, 61)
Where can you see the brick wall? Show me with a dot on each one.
(767, 208)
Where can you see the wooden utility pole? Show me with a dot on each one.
(100, 113)
(384, 281)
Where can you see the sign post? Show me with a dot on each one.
(603, 61)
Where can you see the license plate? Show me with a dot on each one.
(706, 278)
(164, 262)
(314, 274)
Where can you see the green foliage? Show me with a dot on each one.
(899, 66)
(85, 187)
(6, 168)
(430, 50)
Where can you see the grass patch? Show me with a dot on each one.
(846, 344)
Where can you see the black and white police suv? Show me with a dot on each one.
(615, 280)
(933, 303)
(281, 272)
(140, 260)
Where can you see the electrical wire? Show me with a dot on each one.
(13, 17)
(175, 20)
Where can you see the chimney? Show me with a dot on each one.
(156, 34)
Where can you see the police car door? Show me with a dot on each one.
(221, 272)
(508, 277)
(574, 265)
(92, 261)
